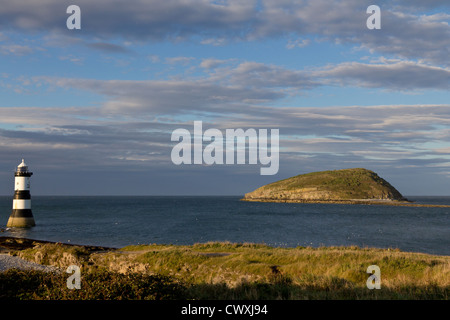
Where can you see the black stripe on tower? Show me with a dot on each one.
(22, 195)
(21, 213)
(23, 174)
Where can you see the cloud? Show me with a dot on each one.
(108, 47)
(299, 43)
(82, 140)
(212, 63)
(15, 49)
(154, 58)
(420, 5)
(92, 137)
(405, 32)
(230, 85)
(227, 88)
(179, 60)
(129, 127)
(260, 75)
(404, 75)
(73, 59)
(137, 19)
(411, 36)
(443, 150)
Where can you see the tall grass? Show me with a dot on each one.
(222, 270)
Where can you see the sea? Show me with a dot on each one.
(119, 221)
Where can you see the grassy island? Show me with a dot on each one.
(346, 186)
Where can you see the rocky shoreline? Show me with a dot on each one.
(360, 202)
(10, 245)
(8, 262)
(10, 248)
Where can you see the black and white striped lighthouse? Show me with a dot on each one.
(22, 215)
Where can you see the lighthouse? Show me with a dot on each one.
(22, 215)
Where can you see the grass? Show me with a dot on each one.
(222, 270)
(345, 184)
(96, 285)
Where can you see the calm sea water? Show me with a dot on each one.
(121, 221)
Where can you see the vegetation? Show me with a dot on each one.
(96, 285)
(346, 184)
(221, 270)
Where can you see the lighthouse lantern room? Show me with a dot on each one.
(22, 215)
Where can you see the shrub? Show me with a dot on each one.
(95, 285)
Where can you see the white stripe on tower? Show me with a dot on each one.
(22, 215)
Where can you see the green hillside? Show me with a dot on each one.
(336, 185)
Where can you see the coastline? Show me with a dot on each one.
(220, 271)
(357, 202)
(14, 245)
(10, 245)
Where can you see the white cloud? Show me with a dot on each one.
(299, 43)
(211, 63)
(15, 49)
(403, 75)
(230, 85)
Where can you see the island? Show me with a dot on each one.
(346, 186)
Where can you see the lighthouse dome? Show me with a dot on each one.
(22, 167)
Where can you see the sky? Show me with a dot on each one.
(92, 110)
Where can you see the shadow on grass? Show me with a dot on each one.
(268, 291)
(105, 285)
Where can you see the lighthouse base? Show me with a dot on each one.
(21, 219)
